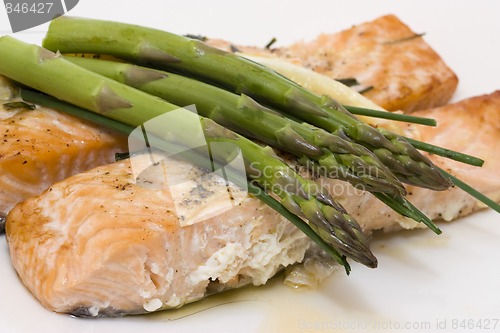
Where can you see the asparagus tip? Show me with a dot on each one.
(137, 76)
(370, 260)
(108, 100)
(154, 55)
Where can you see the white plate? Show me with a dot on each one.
(424, 283)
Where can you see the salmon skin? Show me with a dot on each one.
(42, 146)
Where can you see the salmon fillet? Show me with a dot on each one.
(124, 251)
(42, 146)
(405, 72)
(471, 126)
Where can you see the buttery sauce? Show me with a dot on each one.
(285, 309)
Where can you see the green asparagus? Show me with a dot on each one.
(251, 119)
(170, 51)
(190, 155)
(336, 157)
(50, 73)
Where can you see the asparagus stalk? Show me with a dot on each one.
(251, 119)
(254, 190)
(336, 157)
(170, 51)
(50, 73)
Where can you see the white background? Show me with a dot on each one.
(422, 278)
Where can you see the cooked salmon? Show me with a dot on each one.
(42, 146)
(403, 71)
(100, 244)
(103, 243)
(471, 126)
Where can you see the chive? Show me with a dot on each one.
(390, 115)
(198, 37)
(365, 90)
(121, 156)
(348, 81)
(473, 192)
(234, 48)
(404, 39)
(2, 228)
(271, 42)
(51, 102)
(451, 154)
(18, 105)
(406, 208)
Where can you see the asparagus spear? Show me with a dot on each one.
(166, 50)
(335, 156)
(249, 118)
(48, 72)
